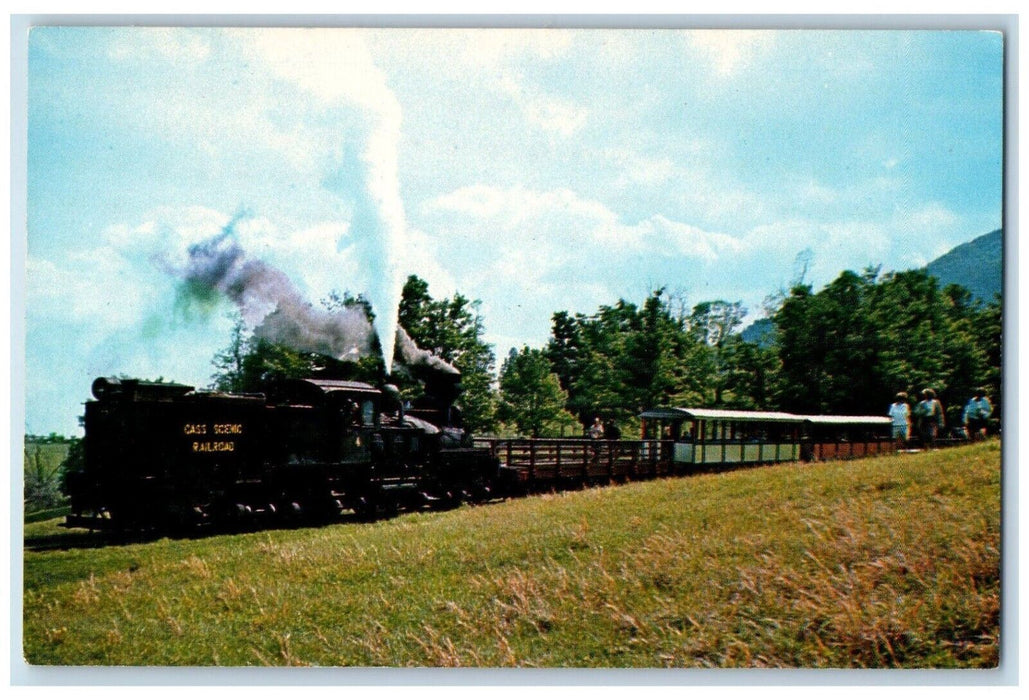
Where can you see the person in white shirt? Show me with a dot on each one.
(977, 410)
(900, 413)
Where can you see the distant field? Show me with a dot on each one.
(42, 461)
(50, 454)
(883, 563)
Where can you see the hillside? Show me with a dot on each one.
(892, 562)
(976, 265)
(761, 332)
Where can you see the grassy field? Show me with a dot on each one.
(891, 562)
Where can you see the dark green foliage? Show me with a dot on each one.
(713, 324)
(750, 375)
(248, 364)
(339, 302)
(846, 349)
(625, 359)
(229, 363)
(850, 347)
(451, 329)
(530, 393)
(74, 461)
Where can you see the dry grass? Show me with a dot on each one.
(881, 563)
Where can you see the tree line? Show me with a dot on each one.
(845, 349)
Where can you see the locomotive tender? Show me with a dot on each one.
(166, 456)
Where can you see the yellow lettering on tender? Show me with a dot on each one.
(227, 446)
(194, 429)
(228, 429)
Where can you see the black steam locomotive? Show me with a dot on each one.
(165, 456)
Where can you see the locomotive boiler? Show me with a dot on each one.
(166, 456)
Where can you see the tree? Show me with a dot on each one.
(530, 392)
(42, 479)
(248, 363)
(749, 375)
(626, 358)
(851, 346)
(712, 324)
(452, 330)
(229, 362)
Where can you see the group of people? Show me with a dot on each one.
(604, 431)
(929, 420)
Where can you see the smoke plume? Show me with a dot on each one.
(415, 356)
(272, 305)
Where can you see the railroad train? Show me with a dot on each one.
(165, 456)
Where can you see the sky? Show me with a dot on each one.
(533, 170)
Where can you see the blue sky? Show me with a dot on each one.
(533, 170)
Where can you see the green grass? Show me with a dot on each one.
(891, 562)
(47, 514)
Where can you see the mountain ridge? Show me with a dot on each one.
(977, 265)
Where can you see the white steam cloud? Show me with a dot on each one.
(336, 66)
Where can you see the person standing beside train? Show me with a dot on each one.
(900, 414)
(612, 431)
(929, 416)
(977, 411)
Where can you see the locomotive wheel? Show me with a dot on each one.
(364, 509)
(446, 501)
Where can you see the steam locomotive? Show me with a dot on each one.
(166, 456)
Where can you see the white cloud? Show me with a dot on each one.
(554, 248)
(932, 218)
(498, 60)
(673, 237)
(332, 64)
